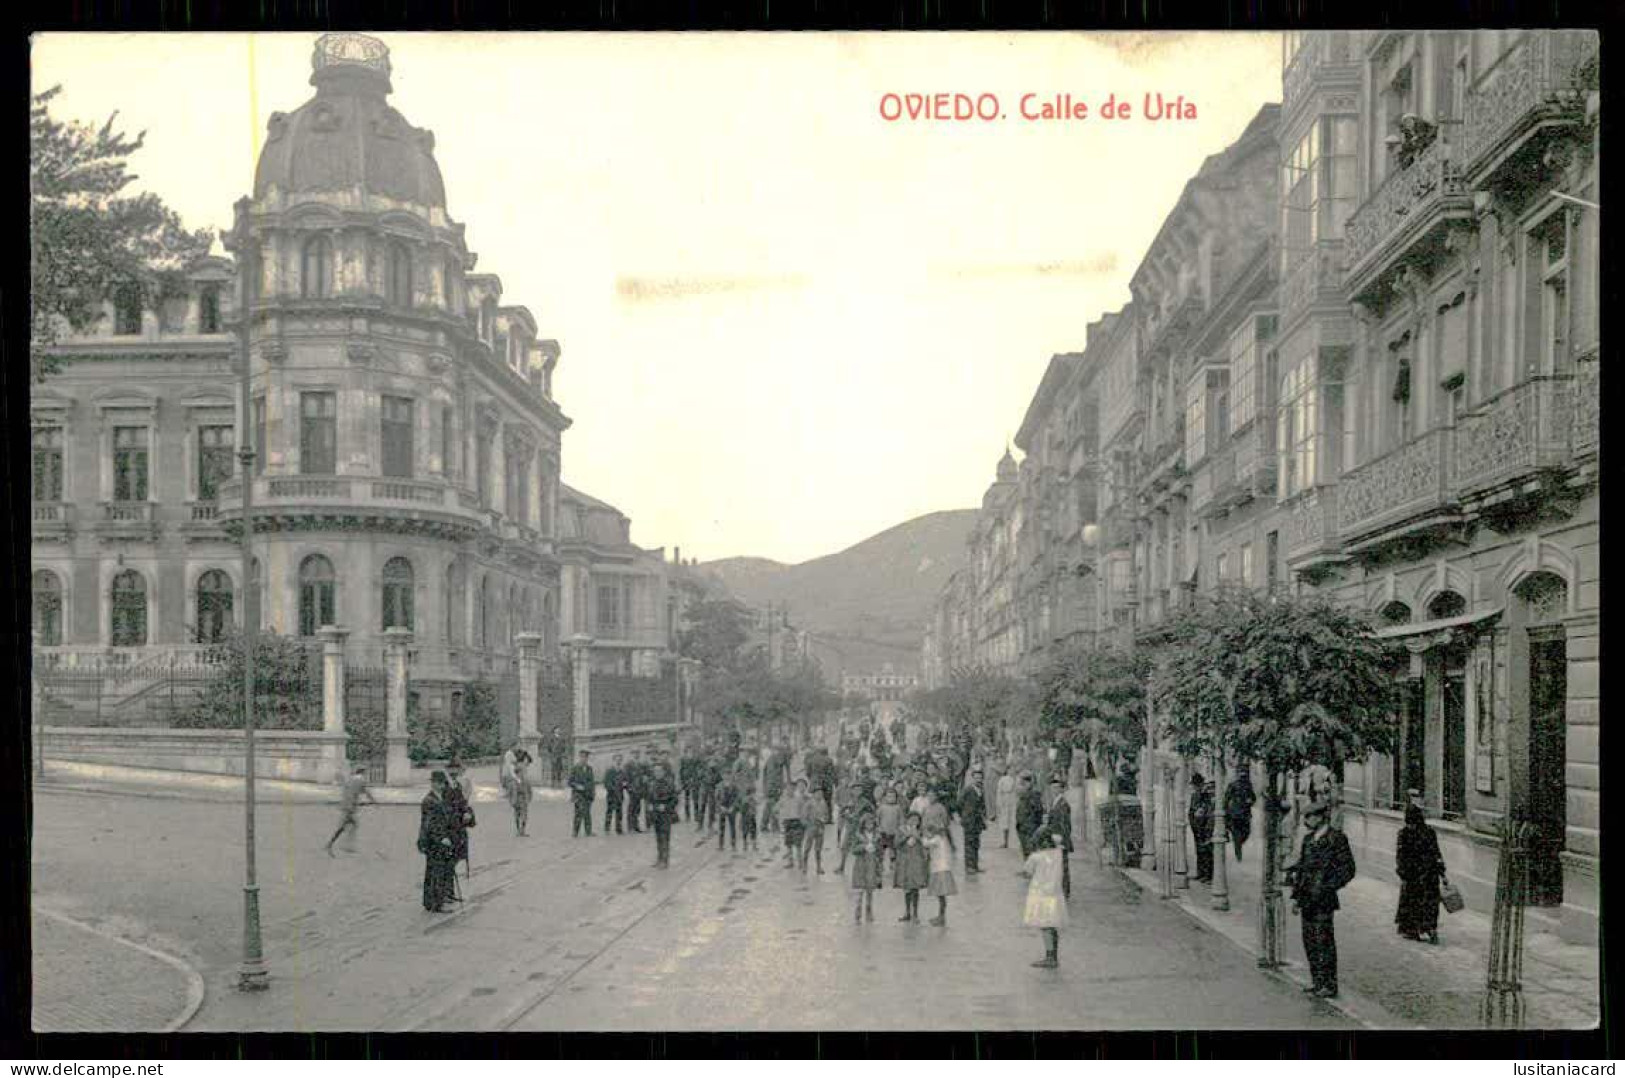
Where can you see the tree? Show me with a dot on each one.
(287, 687)
(1284, 681)
(86, 237)
(713, 631)
(979, 697)
(1098, 695)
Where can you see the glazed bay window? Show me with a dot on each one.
(1298, 427)
(1247, 350)
(1196, 419)
(215, 447)
(130, 464)
(318, 433)
(47, 449)
(395, 436)
(1318, 176)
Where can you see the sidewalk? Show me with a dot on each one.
(88, 980)
(1391, 982)
(197, 786)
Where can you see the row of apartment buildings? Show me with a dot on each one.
(408, 467)
(1361, 358)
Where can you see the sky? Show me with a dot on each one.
(788, 322)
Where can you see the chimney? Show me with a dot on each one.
(677, 554)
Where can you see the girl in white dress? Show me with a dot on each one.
(1046, 907)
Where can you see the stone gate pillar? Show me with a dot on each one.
(334, 738)
(580, 647)
(530, 711)
(399, 764)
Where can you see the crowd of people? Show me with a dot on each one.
(887, 797)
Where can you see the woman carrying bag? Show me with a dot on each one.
(1421, 868)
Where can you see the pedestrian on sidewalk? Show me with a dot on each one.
(1238, 807)
(1029, 814)
(846, 825)
(556, 749)
(973, 820)
(614, 795)
(911, 873)
(1325, 865)
(1059, 822)
(505, 774)
(1420, 867)
(939, 847)
(864, 842)
(747, 817)
(1046, 901)
(815, 821)
(1007, 805)
(461, 795)
(355, 788)
(792, 814)
(437, 826)
(581, 795)
(519, 791)
(685, 779)
(727, 813)
(888, 822)
(662, 811)
(1200, 815)
(637, 784)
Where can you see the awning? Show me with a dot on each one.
(1418, 628)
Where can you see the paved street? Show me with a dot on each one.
(560, 934)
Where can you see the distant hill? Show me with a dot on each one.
(871, 600)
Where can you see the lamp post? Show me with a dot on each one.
(251, 975)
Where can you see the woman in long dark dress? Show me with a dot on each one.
(436, 841)
(1420, 867)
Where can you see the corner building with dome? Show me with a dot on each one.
(408, 442)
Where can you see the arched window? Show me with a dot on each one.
(316, 268)
(318, 587)
(398, 275)
(129, 610)
(482, 596)
(214, 604)
(398, 594)
(1395, 613)
(1446, 604)
(47, 609)
(127, 309)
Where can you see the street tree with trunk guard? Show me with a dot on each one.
(1288, 682)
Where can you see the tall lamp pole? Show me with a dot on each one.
(251, 975)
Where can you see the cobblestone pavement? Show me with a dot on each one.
(88, 981)
(1398, 983)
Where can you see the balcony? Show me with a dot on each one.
(402, 505)
(1316, 279)
(1513, 436)
(1165, 463)
(1405, 492)
(1311, 540)
(201, 520)
(1255, 458)
(53, 521)
(1587, 406)
(1411, 211)
(1213, 475)
(1536, 90)
(129, 520)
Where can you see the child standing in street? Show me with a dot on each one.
(940, 847)
(747, 817)
(865, 847)
(889, 823)
(1046, 906)
(911, 870)
(816, 819)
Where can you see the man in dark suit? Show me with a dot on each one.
(1325, 865)
(614, 791)
(973, 820)
(1201, 821)
(581, 795)
(637, 784)
(662, 811)
(1029, 813)
(1059, 822)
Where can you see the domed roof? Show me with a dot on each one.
(348, 135)
(1007, 467)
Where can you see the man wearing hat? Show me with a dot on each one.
(1058, 821)
(973, 820)
(1325, 864)
(1201, 821)
(581, 795)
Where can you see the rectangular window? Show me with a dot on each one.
(1224, 568)
(1554, 305)
(129, 464)
(208, 315)
(318, 433)
(215, 446)
(1298, 427)
(395, 436)
(1247, 564)
(259, 435)
(609, 611)
(47, 464)
(1195, 419)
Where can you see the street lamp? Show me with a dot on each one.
(252, 976)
